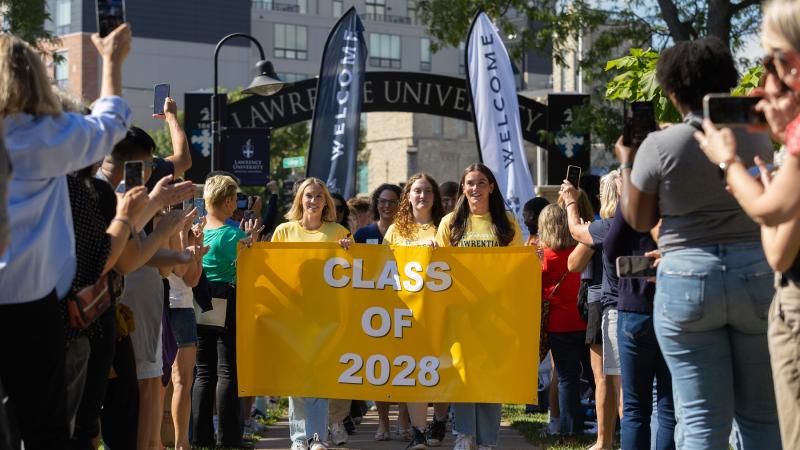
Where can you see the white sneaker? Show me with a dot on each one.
(299, 444)
(464, 442)
(338, 434)
(316, 444)
(554, 426)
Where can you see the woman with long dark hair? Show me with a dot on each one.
(479, 219)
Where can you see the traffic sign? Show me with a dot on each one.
(294, 162)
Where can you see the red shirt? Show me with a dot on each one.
(792, 137)
(563, 304)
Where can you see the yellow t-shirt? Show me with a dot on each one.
(478, 232)
(422, 236)
(293, 232)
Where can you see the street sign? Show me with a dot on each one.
(294, 162)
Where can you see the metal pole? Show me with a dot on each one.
(215, 119)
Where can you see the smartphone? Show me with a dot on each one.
(200, 204)
(636, 267)
(110, 15)
(639, 121)
(188, 204)
(755, 172)
(733, 111)
(134, 174)
(574, 175)
(242, 201)
(249, 214)
(160, 94)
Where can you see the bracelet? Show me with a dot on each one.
(569, 203)
(624, 166)
(126, 222)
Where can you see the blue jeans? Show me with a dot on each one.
(710, 316)
(308, 416)
(567, 350)
(641, 362)
(481, 420)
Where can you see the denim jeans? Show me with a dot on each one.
(481, 420)
(710, 318)
(308, 416)
(567, 349)
(642, 362)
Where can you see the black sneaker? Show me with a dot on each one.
(436, 432)
(349, 425)
(418, 441)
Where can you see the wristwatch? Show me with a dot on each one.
(725, 165)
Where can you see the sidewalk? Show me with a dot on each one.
(277, 436)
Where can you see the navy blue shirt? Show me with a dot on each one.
(635, 294)
(369, 234)
(599, 230)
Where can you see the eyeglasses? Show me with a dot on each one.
(385, 202)
(768, 61)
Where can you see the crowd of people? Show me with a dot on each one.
(112, 292)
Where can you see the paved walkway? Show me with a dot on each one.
(277, 436)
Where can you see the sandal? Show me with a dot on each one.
(383, 436)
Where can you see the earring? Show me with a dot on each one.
(793, 72)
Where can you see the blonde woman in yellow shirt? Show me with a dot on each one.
(479, 219)
(418, 215)
(312, 218)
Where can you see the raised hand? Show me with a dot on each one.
(166, 194)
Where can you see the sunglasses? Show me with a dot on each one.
(768, 62)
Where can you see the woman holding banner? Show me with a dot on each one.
(418, 215)
(478, 220)
(312, 218)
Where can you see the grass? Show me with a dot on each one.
(533, 426)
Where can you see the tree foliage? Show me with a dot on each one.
(26, 19)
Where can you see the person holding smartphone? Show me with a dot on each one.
(312, 218)
(215, 378)
(45, 144)
(773, 201)
(478, 220)
(714, 285)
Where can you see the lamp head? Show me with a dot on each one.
(266, 82)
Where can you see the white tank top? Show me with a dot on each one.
(180, 295)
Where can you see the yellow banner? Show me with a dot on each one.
(408, 324)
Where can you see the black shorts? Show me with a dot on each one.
(594, 329)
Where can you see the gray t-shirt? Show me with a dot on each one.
(5, 176)
(695, 208)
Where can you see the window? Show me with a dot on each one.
(292, 77)
(384, 50)
(61, 72)
(425, 54)
(290, 41)
(460, 128)
(437, 125)
(337, 8)
(412, 12)
(376, 8)
(63, 16)
(296, 6)
(462, 65)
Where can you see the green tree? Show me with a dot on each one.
(26, 19)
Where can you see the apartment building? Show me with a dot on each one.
(174, 43)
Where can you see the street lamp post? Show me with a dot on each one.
(266, 82)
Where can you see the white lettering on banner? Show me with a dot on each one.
(377, 322)
(437, 272)
(345, 79)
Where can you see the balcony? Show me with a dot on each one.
(274, 6)
(388, 18)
